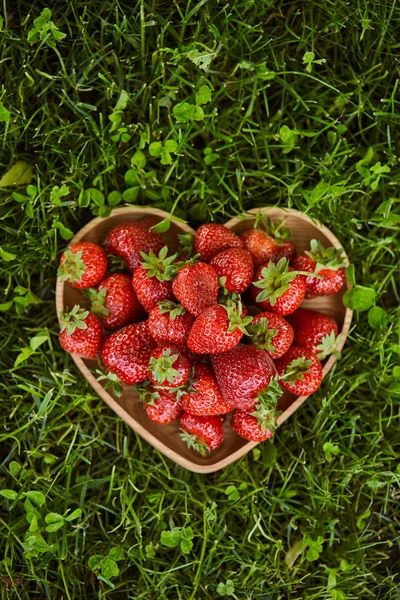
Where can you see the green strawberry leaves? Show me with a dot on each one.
(162, 368)
(328, 346)
(194, 443)
(276, 280)
(266, 404)
(97, 299)
(296, 369)
(174, 310)
(236, 320)
(73, 267)
(326, 258)
(262, 336)
(73, 320)
(162, 266)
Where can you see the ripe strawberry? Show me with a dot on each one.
(327, 263)
(235, 267)
(278, 288)
(168, 367)
(127, 352)
(81, 333)
(203, 396)
(160, 405)
(130, 238)
(83, 265)
(116, 302)
(284, 248)
(300, 371)
(152, 279)
(246, 378)
(218, 328)
(196, 287)
(248, 427)
(315, 331)
(170, 323)
(201, 433)
(211, 239)
(259, 244)
(271, 333)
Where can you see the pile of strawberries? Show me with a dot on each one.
(213, 329)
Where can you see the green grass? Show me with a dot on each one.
(332, 472)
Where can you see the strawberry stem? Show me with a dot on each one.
(161, 266)
(262, 336)
(266, 403)
(194, 442)
(296, 369)
(97, 299)
(326, 258)
(328, 346)
(74, 319)
(162, 367)
(73, 267)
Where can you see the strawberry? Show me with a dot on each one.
(271, 333)
(83, 265)
(152, 279)
(203, 396)
(259, 244)
(170, 323)
(327, 263)
(81, 333)
(130, 238)
(300, 371)
(284, 247)
(315, 331)
(168, 367)
(246, 378)
(116, 302)
(211, 239)
(235, 267)
(160, 405)
(248, 427)
(127, 352)
(278, 288)
(218, 328)
(201, 433)
(196, 287)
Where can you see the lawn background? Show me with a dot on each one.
(314, 514)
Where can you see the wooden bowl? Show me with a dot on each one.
(129, 407)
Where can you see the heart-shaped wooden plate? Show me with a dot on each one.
(165, 438)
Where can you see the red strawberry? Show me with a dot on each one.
(168, 367)
(116, 301)
(327, 263)
(259, 244)
(161, 406)
(81, 333)
(245, 376)
(127, 352)
(218, 328)
(83, 265)
(271, 333)
(236, 267)
(248, 427)
(152, 279)
(130, 238)
(284, 248)
(201, 433)
(278, 288)
(315, 331)
(170, 323)
(300, 371)
(211, 239)
(204, 396)
(196, 287)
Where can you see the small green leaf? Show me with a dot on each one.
(22, 356)
(294, 552)
(14, 468)
(201, 59)
(39, 339)
(132, 178)
(359, 298)
(186, 546)
(139, 159)
(171, 146)
(226, 589)
(54, 526)
(5, 306)
(109, 568)
(19, 174)
(162, 226)
(117, 553)
(122, 101)
(361, 519)
(96, 196)
(351, 274)
(203, 95)
(155, 148)
(9, 494)
(378, 318)
(330, 450)
(36, 497)
(7, 256)
(131, 194)
(95, 562)
(114, 198)
(149, 550)
(74, 515)
(4, 113)
(233, 493)
(396, 375)
(171, 538)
